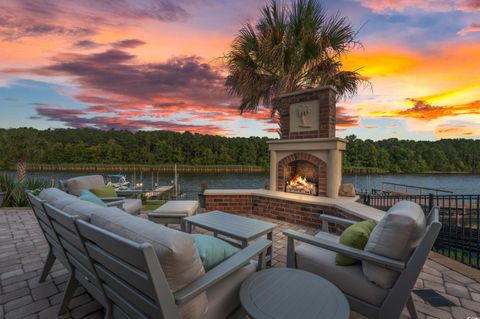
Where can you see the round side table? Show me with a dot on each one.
(291, 293)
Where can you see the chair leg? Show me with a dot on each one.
(48, 265)
(68, 294)
(411, 308)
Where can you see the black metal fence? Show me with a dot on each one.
(459, 237)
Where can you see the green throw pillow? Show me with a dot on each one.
(91, 197)
(355, 236)
(106, 191)
(212, 250)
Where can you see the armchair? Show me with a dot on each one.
(317, 255)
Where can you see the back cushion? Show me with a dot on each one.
(76, 184)
(395, 236)
(68, 203)
(176, 251)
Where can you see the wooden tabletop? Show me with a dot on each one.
(231, 225)
(285, 293)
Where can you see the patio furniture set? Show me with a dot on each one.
(137, 268)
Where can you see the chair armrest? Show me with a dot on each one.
(117, 203)
(221, 271)
(346, 250)
(336, 220)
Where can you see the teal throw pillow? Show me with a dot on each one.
(88, 196)
(212, 250)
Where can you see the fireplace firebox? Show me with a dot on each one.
(301, 178)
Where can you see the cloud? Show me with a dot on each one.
(382, 6)
(344, 119)
(86, 44)
(469, 29)
(14, 27)
(77, 118)
(129, 43)
(425, 111)
(447, 131)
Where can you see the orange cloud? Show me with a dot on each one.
(454, 131)
(425, 111)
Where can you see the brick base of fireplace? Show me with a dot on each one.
(288, 210)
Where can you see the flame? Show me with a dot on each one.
(298, 180)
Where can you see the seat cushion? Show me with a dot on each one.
(349, 279)
(223, 297)
(177, 207)
(132, 205)
(175, 250)
(395, 236)
(76, 184)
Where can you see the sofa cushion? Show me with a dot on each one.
(176, 251)
(52, 194)
(76, 184)
(396, 236)
(132, 205)
(349, 279)
(88, 196)
(223, 297)
(104, 191)
(212, 250)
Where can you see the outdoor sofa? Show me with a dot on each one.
(133, 266)
(380, 286)
(76, 184)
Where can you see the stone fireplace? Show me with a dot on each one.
(308, 157)
(305, 168)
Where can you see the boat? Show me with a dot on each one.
(118, 181)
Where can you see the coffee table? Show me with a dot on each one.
(240, 228)
(292, 293)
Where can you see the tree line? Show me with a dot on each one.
(88, 146)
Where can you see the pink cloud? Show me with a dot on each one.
(431, 5)
(471, 28)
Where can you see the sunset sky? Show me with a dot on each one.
(155, 64)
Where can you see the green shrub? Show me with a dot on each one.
(15, 191)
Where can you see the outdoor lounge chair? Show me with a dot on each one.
(55, 250)
(317, 255)
(75, 185)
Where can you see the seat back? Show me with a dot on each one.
(38, 207)
(74, 249)
(130, 274)
(76, 184)
(401, 290)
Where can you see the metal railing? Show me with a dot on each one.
(459, 237)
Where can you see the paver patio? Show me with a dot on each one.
(23, 251)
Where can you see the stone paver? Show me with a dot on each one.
(23, 252)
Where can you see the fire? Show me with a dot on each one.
(298, 180)
(299, 184)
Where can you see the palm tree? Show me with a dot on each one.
(18, 144)
(290, 48)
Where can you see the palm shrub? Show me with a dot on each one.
(15, 190)
(290, 48)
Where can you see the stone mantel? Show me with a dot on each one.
(309, 144)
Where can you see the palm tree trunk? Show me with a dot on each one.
(21, 169)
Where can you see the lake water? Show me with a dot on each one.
(190, 183)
